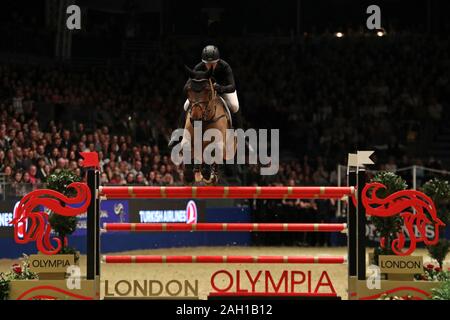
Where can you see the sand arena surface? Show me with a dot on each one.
(203, 272)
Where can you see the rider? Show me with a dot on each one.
(224, 82)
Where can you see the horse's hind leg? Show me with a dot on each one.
(215, 173)
(188, 173)
(206, 172)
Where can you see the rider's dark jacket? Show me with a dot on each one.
(222, 74)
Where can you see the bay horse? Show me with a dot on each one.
(209, 108)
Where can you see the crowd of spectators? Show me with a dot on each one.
(29, 153)
(327, 95)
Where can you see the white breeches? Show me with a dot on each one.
(230, 98)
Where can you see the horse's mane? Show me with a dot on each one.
(198, 80)
(198, 85)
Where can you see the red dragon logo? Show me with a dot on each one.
(32, 225)
(402, 203)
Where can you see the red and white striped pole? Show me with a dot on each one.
(225, 259)
(226, 192)
(231, 227)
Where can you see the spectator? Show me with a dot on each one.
(130, 179)
(41, 173)
(32, 172)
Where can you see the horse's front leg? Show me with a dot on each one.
(214, 174)
(192, 170)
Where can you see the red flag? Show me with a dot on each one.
(90, 159)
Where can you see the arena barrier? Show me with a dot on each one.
(230, 227)
(360, 204)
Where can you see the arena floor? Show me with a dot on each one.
(202, 272)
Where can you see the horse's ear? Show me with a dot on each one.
(189, 72)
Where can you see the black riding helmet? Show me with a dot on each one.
(210, 54)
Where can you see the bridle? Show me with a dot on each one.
(204, 104)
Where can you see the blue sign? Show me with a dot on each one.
(110, 211)
(188, 215)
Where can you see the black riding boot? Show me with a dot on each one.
(237, 120)
(181, 120)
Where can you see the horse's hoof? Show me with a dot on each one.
(212, 180)
(198, 177)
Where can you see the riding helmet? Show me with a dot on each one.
(210, 54)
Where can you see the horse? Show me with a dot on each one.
(209, 108)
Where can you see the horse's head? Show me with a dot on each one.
(200, 91)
